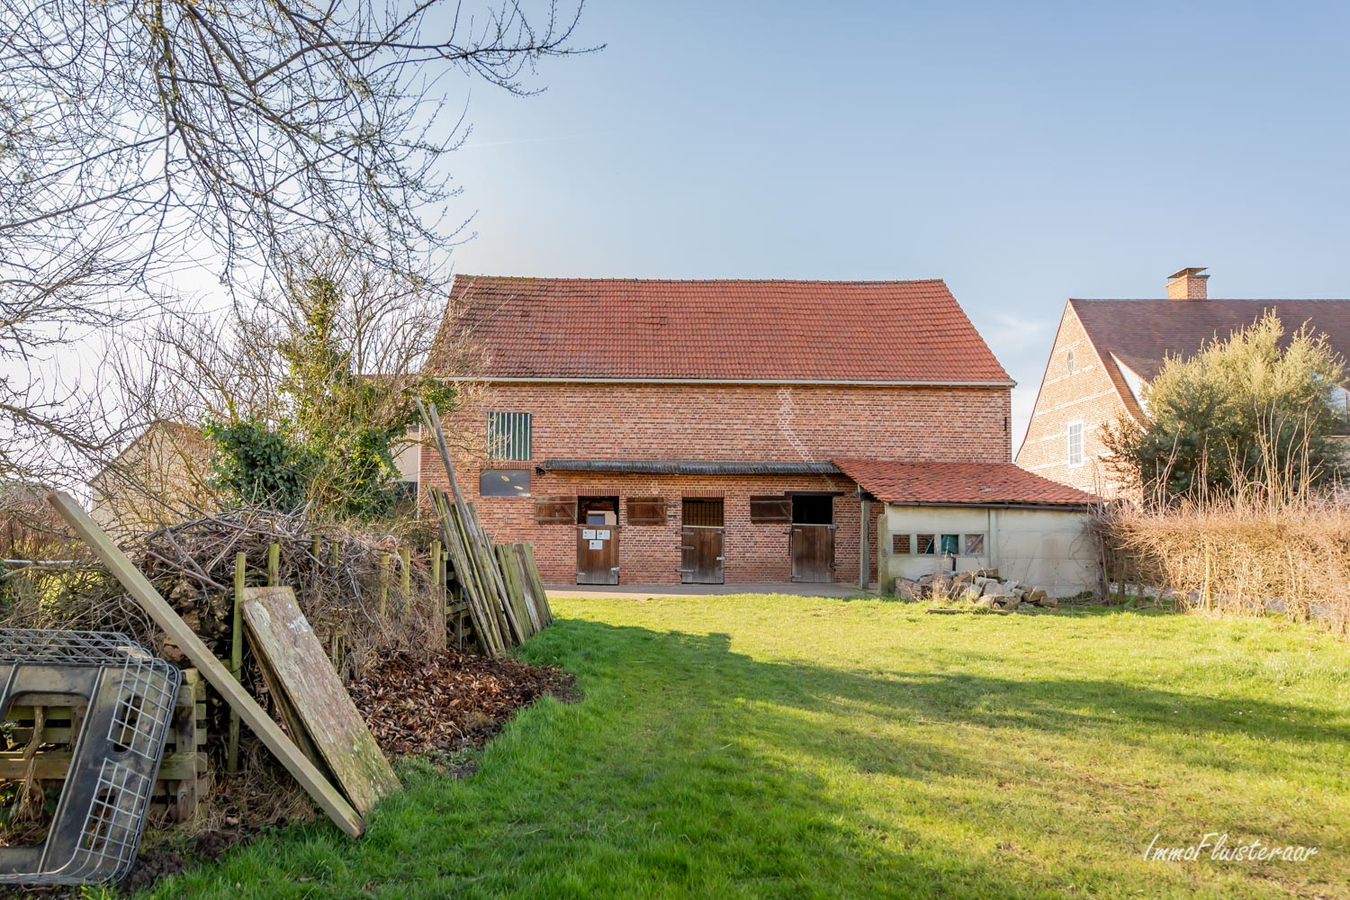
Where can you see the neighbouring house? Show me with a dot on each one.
(653, 431)
(154, 480)
(1107, 351)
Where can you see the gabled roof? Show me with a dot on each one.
(959, 484)
(1143, 333)
(882, 332)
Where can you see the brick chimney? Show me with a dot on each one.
(1188, 284)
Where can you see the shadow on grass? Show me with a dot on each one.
(692, 770)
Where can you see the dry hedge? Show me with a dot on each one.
(1243, 556)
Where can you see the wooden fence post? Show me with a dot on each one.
(236, 658)
(384, 584)
(274, 565)
(405, 576)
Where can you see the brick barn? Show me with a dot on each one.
(649, 431)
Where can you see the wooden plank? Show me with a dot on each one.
(54, 764)
(236, 659)
(488, 638)
(478, 545)
(290, 718)
(488, 601)
(139, 587)
(325, 710)
(506, 556)
(495, 577)
(527, 589)
(541, 594)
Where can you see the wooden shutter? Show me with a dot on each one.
(770, 510)
(555, 510)
(646, 510)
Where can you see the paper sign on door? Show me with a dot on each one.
(603, 534)
(588, 534)
(597, 545)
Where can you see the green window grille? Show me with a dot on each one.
(509, 435)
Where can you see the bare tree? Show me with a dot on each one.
(341, 349)
(142, 137)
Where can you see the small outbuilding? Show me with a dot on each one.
(948, 517)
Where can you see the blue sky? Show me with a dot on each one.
(1023, 152)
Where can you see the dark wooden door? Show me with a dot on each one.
(813, 553)
(702, 560)
(597, 554)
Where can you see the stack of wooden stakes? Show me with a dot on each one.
(500, 584)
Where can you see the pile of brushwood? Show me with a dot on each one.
(449, 701)
(345, 577)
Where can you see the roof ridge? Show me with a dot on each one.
(1201, 303)
(622, 279)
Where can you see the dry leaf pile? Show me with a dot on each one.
(449, 701)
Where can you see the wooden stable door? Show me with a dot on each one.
(597, 554)
(702, 558)
(813, 553)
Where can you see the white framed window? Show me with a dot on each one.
(509, 435)
(1070, 360)
(1075, 443)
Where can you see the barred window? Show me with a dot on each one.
(509, 435)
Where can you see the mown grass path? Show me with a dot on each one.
(797, 747)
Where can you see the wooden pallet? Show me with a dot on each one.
(184, 774)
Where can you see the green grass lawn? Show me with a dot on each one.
(795, 747)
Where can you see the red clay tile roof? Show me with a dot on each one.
(616, 328)
(1143, 333)
(959, 484)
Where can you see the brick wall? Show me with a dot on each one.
(659, 421)
(650, 554)
(697, 422)
(1086, 394)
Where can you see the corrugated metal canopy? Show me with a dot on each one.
(688, 467)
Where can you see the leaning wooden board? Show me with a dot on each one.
(283, 637)
(304, 771)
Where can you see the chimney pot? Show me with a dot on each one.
(1189, 283)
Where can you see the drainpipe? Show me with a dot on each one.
(864, 546)
(992, 549)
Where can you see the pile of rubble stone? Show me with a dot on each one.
(981, 587)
